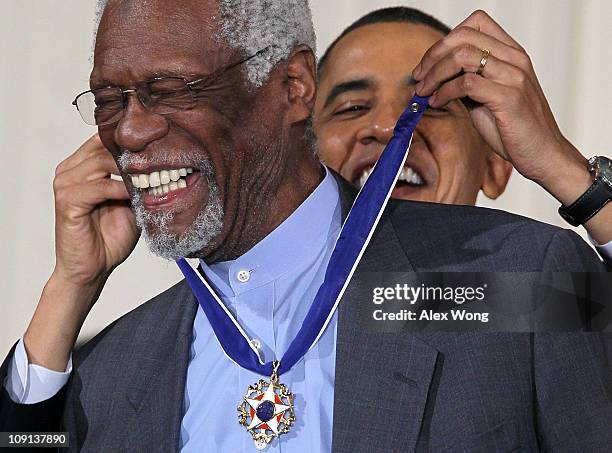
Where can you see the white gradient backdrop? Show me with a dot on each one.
(44, 62)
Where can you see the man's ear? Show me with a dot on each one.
(302, 83)
(496, 176)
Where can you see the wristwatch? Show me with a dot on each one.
(595, 198)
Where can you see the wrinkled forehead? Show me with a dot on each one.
(140, 38)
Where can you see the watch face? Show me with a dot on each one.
(605, 169)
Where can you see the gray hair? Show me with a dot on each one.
(253, 25)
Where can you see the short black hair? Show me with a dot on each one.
(393, 14)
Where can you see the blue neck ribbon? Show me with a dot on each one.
(350, 246)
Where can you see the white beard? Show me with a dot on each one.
(206, 226)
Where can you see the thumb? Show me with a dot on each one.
(486, 125)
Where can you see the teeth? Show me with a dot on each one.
(143, 181)
(154, 180)
(410, 176)
(158, 179)
(166, 188)
(364, 176)
(407, 174)
(164, 176)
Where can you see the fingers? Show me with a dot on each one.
(82, 180)
(97, 166)
(79, 200)
(102, 190)
(465, 37)
(478, 88)
(461, 52)
(466, 59)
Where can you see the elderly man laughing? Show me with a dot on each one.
(204, 108)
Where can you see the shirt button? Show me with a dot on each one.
(256, 343)
(243, 276)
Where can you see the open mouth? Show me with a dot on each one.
(408, 177)
(159, 183)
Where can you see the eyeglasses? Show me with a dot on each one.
(161, 95)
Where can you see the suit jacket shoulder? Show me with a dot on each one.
(167, 307)
(439, 237)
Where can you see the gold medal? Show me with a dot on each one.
(267, 410)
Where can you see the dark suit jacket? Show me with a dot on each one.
(393, 392)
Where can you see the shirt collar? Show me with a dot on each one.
(299, 239)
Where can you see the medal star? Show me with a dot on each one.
(270, 411)
(273, 425)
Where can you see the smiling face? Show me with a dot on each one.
(365, 85)
(198, 176)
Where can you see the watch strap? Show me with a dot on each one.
(589, 203)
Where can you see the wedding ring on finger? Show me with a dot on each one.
(483, 61)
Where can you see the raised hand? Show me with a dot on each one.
(513, 115)
(95, 228)
(95, 231)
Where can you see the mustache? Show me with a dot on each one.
(129, 159)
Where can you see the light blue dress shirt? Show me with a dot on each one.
(269, 289)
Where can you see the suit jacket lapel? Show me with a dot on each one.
(382, 380)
